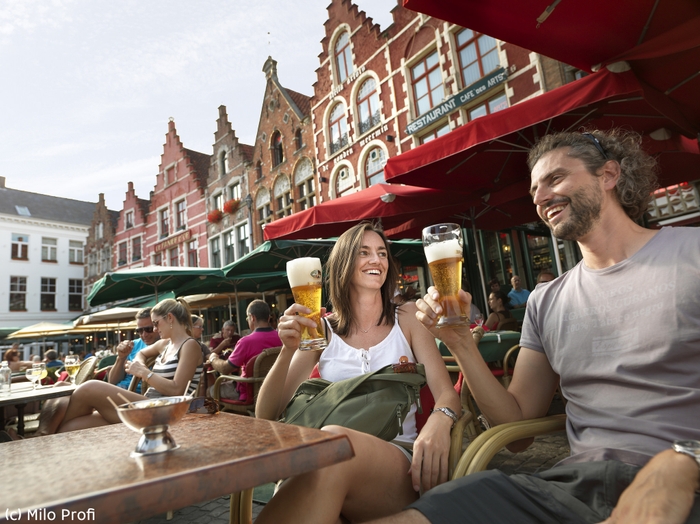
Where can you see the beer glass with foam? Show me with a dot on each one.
(443, 247)
(304, 276)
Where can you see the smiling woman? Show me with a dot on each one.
(365, 333)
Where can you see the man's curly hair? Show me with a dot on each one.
(638, 177)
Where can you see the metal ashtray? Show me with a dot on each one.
(153, 418)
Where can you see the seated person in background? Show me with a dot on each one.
(494, 284)
(127, 349)
(501, 318)
(13, 357)
(222, 343)
(197, 329)
(518, 295)
(178, 363)
(263, 336)
(52, 359)
(545, 276)
(618, 333)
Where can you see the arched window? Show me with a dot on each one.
(304, 182)
(478, 55)
(368, 105)
(298, 141)
(338, 126)
(277, 152)
(262, 204)
(283, 196)
(344, 182)
(374, 166)
(258, 170)
(343, 57)
(223, 163)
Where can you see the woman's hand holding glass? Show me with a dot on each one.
(292, 323)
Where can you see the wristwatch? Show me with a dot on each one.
(688, 447)
(447, 411)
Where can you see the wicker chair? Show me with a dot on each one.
(86, 371)
(135, 380)
(256, 369)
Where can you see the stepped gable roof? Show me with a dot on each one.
(303, 102)
(200, 163)
(46, 207)
(113, 218)
(144, 206)
(247, 151)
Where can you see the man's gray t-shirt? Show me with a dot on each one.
(625, 341)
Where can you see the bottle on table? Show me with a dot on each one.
(5, 379)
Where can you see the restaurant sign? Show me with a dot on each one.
(499, 76)
(173, 241)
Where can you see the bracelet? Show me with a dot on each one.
(448, 412)
(148, 377)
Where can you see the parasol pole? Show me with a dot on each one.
(479, 262)
(238, 313)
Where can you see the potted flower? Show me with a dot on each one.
(231, 206)
(215, 216)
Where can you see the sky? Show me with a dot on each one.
(87, 86)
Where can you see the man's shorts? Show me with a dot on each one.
(576, 493)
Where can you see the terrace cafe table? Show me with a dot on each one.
(22, 393)
(90, 471)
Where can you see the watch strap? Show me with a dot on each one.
(446, 411)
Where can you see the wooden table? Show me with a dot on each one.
(91, 470)
(22, 393)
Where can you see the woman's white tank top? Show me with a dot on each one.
(340, 361)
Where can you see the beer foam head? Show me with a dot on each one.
(439, 250)
(304, 271)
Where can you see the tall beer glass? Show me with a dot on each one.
(304, 276)
(443, 247)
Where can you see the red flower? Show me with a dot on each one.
(215, 216)
(231, 206)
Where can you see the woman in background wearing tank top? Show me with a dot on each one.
(178, 361)
(368, 331)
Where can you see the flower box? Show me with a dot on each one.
(215, 216)
(231, 206)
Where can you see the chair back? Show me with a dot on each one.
(509, 324)
(135, 380)
(86, 371)
(106, 361)
(261, 366)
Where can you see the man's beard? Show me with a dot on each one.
(584, 211)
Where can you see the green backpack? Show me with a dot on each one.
(376, 403)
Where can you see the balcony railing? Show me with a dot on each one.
(339, 144)
(372, 121)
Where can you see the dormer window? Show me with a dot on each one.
(277, 151)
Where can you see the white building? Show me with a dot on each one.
(41, 257)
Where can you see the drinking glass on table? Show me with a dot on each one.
(443, 246)
(304, 276)
(33, 374)
(72, 364)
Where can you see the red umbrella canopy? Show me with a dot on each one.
(659, 39)
(487, 157)
(394, 205)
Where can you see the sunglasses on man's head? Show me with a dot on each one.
(148, 329)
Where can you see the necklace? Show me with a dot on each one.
(365, 331)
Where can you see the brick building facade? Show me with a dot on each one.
(227, 189)
(130, 236)
(169, 229)
(99, 243)
(379, 93)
